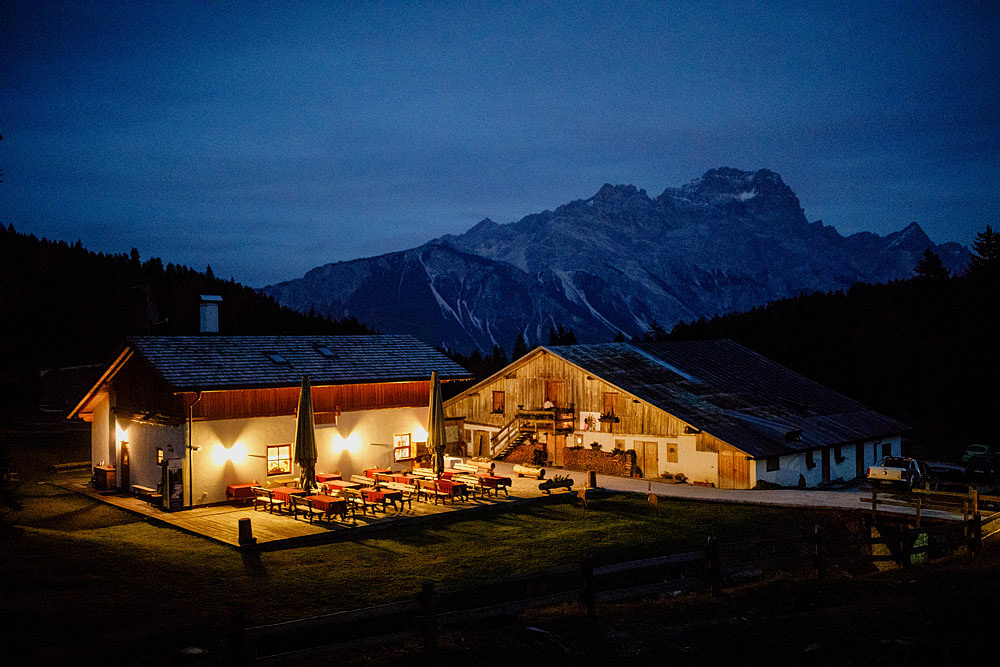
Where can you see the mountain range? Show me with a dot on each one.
(619, 261)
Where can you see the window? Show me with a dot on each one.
(498, 398)
(401, 450)
(610, 403)
(886, 449)
(671, 453)
(838, 454)
(773, 463)
(159, 455)
(468, 435)
(276, 358)
(279, 459)
(326, 352)
(810, 461)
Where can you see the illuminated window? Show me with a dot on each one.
(159, 455)
(401, 450)
(498, 401)
(279, 459)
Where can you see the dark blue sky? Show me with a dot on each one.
(266, 139)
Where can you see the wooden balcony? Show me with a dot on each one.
(553, 420)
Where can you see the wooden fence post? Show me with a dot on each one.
(820, 553)
(426, 599)
(236, 640)
(976, 541)
(246, 538)
(712, 566)
(874, 499)
(905, 545)
(588, 594)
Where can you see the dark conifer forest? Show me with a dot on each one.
(923, 350)
(62, 305)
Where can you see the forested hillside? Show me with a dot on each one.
(62, 305)
(922, 350)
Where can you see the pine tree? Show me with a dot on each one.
(985, 252)
(520, 348)
(931, 267)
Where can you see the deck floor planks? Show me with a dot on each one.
(221, 522)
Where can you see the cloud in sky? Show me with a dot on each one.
(266, 139)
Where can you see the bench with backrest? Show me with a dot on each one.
(304, 505)
(265, 498)
(428, 488)
(475, 484)
(426, 473)
(362, 480)
(408, 491)
(356, 500)
(467, 467)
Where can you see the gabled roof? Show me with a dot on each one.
(193, 363)
(206, 363)
(733, 393)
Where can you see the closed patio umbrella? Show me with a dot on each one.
(305, 438)
(435, 425)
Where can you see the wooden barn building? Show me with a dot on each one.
(190, 415)
(713, 411)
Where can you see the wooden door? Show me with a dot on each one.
(859, 460)
(734, 470)
(558, 443)
(554, 392)
(482, 443)
(646, 458)
(826, 464)
(726, 470)
(125, 467)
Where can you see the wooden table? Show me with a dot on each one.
(382, 496)
(327, 476)
(371, 472)
(283, 493)
(238, 492)
(329, 504)
(341, 484)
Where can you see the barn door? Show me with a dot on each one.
(646, 458)
(741, 471)
(482, 443)
(826, 464)
(558, 449)
(554, 392)
(726, 470)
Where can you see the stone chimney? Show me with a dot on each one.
(210, 313)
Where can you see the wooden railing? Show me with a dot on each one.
(551, 420)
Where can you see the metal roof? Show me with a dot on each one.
(199, 363)
(733, 393)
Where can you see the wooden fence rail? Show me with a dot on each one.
(421, 616)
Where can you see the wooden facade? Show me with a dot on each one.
(541, 376)
(580, 406)
(140, 393)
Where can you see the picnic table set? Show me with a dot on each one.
(376, 488)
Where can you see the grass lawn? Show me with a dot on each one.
(84, 580)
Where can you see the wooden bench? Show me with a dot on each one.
(265, 498)
(426, 473)
(466, 467)
(304, 505)
(408, 491)
(356, 499)
(147, 493)
(362, 480)
(429, 489)
(475, 484)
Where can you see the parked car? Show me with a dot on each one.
(973, 450)
(984, 467)
(898, 471)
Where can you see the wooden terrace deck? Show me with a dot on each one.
(220, 523)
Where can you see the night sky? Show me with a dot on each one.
(266, 139)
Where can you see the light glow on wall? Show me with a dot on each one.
(122, 433)
(236, 454)
(419, 434)
(351, 443)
